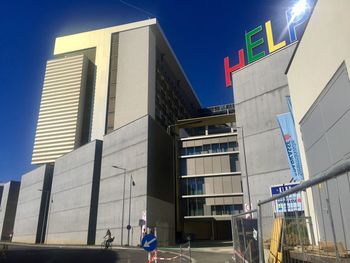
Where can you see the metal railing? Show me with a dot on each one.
(185, 252)
(307, 223)
(244, 237)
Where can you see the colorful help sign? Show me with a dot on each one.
(295, 16)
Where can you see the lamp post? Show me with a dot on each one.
(44, 225)
(132, 183)
(245, 166)
(122, 228)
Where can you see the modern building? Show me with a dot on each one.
(101, 80)
(209, 187)
(8, 207)
(108, 98)
(319, 70)
(260, 91)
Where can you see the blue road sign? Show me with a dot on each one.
(149, 242)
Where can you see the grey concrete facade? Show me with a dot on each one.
(143, 148)
(260, 89)
(32, 208)
(325, 130)
(74, 195)
(8, 209)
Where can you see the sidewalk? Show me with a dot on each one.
(223, 247)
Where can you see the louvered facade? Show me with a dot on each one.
(61, 113)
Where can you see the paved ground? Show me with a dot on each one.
(23, 253)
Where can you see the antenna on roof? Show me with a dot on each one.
(149, 14)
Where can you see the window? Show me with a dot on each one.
(215, 147)
(198, 149)
(233, 163)
(223, 147)
(190, 150)
(193, 186)
(183, 167)
(206, 148)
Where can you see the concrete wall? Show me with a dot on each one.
(145, 151)
(32, 208)
(321, 54)
(135, 91)
(8, 209)
(74, 195)
(125, 147)
(259, 93)
(321, 51)
(160, 184)
(325, 136)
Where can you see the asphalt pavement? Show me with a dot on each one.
(52, 254)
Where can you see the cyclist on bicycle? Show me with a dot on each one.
(108, 238)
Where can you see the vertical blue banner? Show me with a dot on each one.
(286, 124)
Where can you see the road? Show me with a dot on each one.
(37, 254)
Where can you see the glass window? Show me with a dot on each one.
(238, 208)
(206, 148)
(190, 150)
(215, 147)
(183, 167)
(191, 186)
(199, 131)
(195, 207)
(200, 208)
(183, 151)
(233, 163)
(200, 186)
(223, 147)
(198, 150)
(233, 146)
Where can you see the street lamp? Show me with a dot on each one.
(132, 183)
(44, 223)
(245, 166)
(122, 228)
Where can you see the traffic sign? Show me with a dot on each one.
(149, 242)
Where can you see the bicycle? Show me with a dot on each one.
(106, 244)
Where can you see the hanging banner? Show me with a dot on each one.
(286, 124)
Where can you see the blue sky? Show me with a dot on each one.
(201, 33)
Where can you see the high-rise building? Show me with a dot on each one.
(108, 98)
(103, 79)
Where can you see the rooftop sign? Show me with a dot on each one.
(295, 16)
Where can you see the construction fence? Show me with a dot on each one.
(307, 223)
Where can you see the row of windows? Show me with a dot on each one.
(193, 186)
(226, 209)
(198, 207)
(210, 148)
(211, 129)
